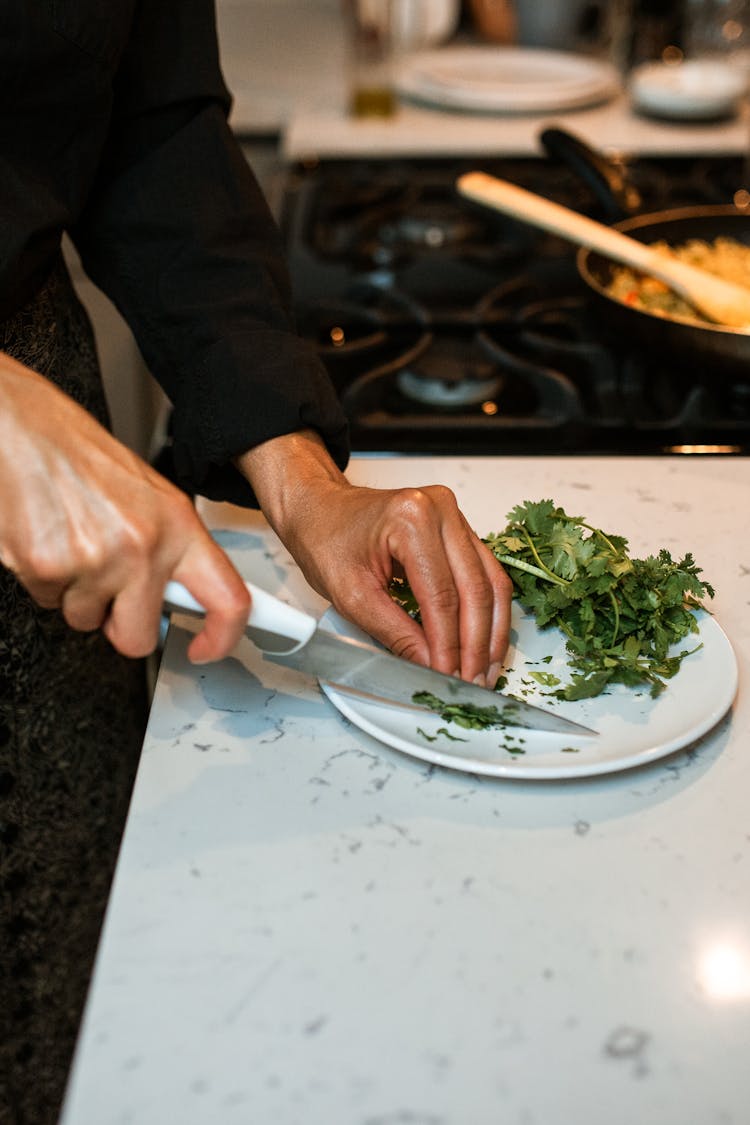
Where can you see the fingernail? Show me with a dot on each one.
(480, 680)
(494, 674)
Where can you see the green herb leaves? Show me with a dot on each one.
(619, 615)
(467, 715)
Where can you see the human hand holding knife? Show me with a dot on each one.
(288, 636)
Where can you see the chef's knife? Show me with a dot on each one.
(290, 637)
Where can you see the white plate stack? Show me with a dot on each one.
(496, 79)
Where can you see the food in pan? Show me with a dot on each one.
(724, 257)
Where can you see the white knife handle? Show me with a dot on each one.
(267, 613)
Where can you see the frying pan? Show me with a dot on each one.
(715, 348)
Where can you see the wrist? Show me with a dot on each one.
(289, 474)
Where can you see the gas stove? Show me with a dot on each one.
(447, 328)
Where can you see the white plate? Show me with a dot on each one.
(694, 90)
(506, 79)
(634, 729)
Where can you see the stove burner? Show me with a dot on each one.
(453, 387)
(401, 216)
(442, 380)
(447, 328)
(365, 329)
(432, 225)
(450, 395)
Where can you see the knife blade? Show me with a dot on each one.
(287, 636)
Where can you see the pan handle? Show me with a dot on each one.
(616, 195)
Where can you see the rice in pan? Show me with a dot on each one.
(724, 257)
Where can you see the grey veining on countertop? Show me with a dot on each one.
(309, 928)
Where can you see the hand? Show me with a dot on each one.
(89, 528)
(350, 542)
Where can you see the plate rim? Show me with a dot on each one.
(571, 768)
(599, 80)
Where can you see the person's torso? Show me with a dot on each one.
(58, 60)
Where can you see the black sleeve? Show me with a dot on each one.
(178, 234)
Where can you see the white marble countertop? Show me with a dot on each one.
(310, 928)
(328, 132)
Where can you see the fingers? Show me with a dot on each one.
(92, 530)
(134, 616)
(125, 598)
(83, 606)
(130, 616)
(387, 622)
(133, 619)
(213, 581)
(463, 592)
(120, 590)
(85, 610)
(502, 588)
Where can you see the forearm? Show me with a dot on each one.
(286, 472)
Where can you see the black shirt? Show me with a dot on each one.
(113, 127)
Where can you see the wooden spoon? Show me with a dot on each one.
(720, 301)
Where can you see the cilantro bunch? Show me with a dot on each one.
(619, 615)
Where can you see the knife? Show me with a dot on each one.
(287, 636)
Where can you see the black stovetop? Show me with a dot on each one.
(450, 329)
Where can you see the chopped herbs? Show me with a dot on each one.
(426, 736)
(546, 679)
(440, 730)
(467, 715)
(452, 737)
(619, 615)
(401, 592)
